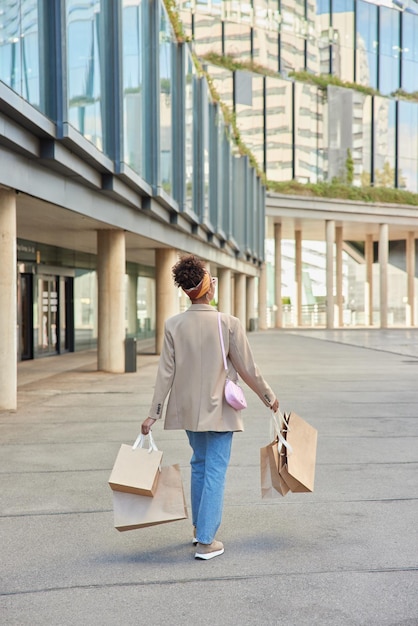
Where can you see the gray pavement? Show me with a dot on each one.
(345, 555)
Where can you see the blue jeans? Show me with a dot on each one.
(209, 462)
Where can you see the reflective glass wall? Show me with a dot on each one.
(297, 130)
(20, 49)
(84, 20)
(133, 85)
(120, 87)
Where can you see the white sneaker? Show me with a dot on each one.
(208, 551)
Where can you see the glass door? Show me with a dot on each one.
(46, 315)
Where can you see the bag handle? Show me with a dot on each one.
(279, 423)
(222, 341)
(140, 440)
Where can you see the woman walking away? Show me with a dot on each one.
(191, 368)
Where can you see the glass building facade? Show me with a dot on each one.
(300, 131)
(120, 92)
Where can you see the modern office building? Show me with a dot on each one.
(357, 125)
(116, 156)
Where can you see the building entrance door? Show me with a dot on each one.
(45, 315)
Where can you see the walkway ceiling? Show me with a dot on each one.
(52, 225)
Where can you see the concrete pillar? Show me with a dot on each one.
(298, 276)
(250, 302)
(368, 295)
(240, 298)
(167, 300)
(8, 301)
(111, 267)
(132, 287)
(224, 290)
(410, 269)
(339, 274)
(383, 268)
(262, 298)
(330, 236)
(278, 317)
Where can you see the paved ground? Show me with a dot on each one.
(345, 555)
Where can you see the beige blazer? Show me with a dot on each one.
(191, 369)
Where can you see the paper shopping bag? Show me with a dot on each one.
(271, 462)
(298, 470)
(168, 504)
(136, 469)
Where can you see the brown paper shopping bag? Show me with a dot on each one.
(298, 471)
(168, 504)
(271, 462)
(136, 469)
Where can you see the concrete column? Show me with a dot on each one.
(111, 267)
(132, 287)
(383, 267)
(298, 276)
(410, 269)
(8, 301)
(262, 298)
(250, 301)
(167, 299)
(330, 236)
(368, 295)
(278, 318)
(240, 298)
(339, 273)
(224, 290)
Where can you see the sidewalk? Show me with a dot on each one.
(345, 555)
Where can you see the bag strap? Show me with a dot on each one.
(281, 424)
(222, 341)
(140, 440)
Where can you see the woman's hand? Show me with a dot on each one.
(147, 425)
(275, 406)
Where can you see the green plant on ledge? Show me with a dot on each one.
(338, 189)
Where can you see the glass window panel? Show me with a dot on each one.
(366, 44)
(323, 24)
(349, 135)
(223, 175)
(384, 142)
(265, 48)
(362, 137)
(307, 132)
(85, 309)
(238, 40)
(19, 49)
(311, 36)
(408, 146)
(205, 146)
(265, 33)
(389, 38)
(133, 109)
(84, 63)
(292, 43)
(208, 33)
(342, 39)
(166, 105)
(250, 115)
(279, 129)
(190, 73)
(409, 52)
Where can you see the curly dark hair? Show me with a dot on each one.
(188, 271)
